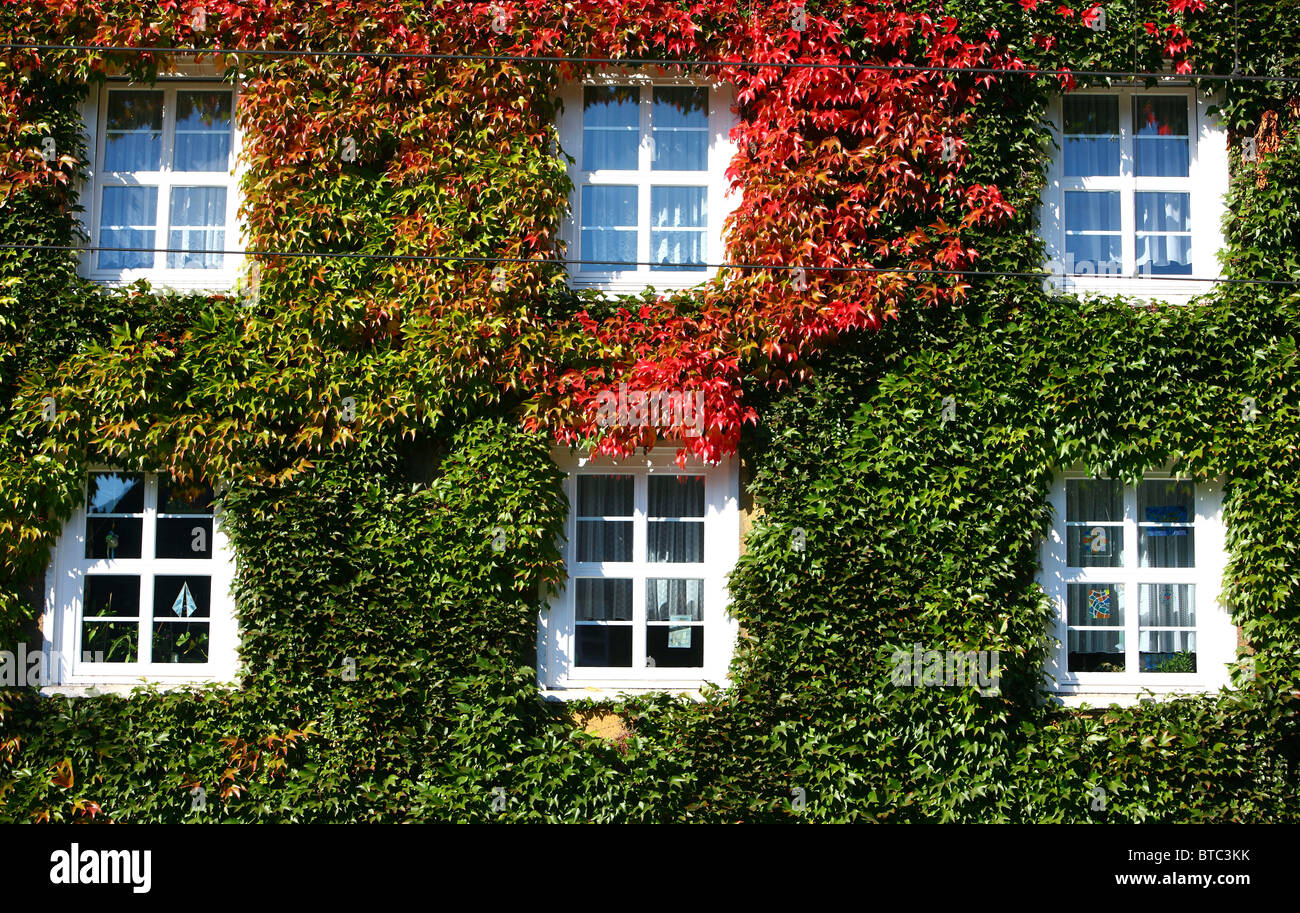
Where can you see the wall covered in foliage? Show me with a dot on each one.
(467, 358)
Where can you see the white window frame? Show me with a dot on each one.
(1206, 182)
(64, 586)
(556, 624)
(720, 200)
(94, 116)
(1216, 635)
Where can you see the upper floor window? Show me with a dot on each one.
(1135, 193)
(649, 193)
(1135, 571)
(164, 197)
(649, 547)
(140, 586)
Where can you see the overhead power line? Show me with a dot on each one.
(789, 267)
(660, 62)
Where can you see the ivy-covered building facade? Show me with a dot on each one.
(612, 411)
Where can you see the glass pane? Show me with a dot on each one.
(133, 132)
(675, 541)
(603, 645)
(1159, 115)
(676, 496)
(1092, 211)
(184, 537)
(680, 121)
(1095, 605)
(1094, 500)
(115, 493)
(611, 127)
(1091, 114)
(600, 599)
(1094, 545)
(111, 596)
(604, 540)
(1161, 147)
(114, 512)
(1093, 255)
(127, 219)
(674, 599)
(1159, 211)
(677, 250)
(606, 495)
(113, 538)
(198, 219)
(679, 207)
(1167, 651)
(181, 596)
(1164, 255)
(674, 646)
(609, 227)
(1095, 651)
(1167, 605)
(202, 131)
(188, 498)
(1094, 149)
(180, 642)
(110, 641)
(1171, 505)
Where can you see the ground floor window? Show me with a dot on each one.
(140, 585)
(649, 546)
(1135, 571)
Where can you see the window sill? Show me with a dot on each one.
(579, 693)
(1150, 290)
(130, 688)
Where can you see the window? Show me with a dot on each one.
(1136, 571)
(648, 548)
(1135, 194)
(140, 586)
(164, 200)
(649, 192)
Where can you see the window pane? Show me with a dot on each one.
(604, 540)
(114, 515)
(1095, 605)
(1159, 211)
(1095, 651)
(1167, 651)
(202, 131)
(187, 499)
(677, 208)
(133, 132)
(110, 597)
(1166, 518)
(1095, 545)
(611, 127)
(115, 493)
(1094, 255)
(1167, 605)
(609, 228)
(680, 121)
(1093, 149)
(674, 646)
(674, 599)
(1161, 146)
(198, 219)
(1091, 211)
(1095, 500)
(127, 219)
(606, 495)
(599, 599)
(1164, 255)
(180, 642)
(603, 645)
(676, 496)
(675, 541)
(182, 596)
(184, 537)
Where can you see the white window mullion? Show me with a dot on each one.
(1128, 214)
